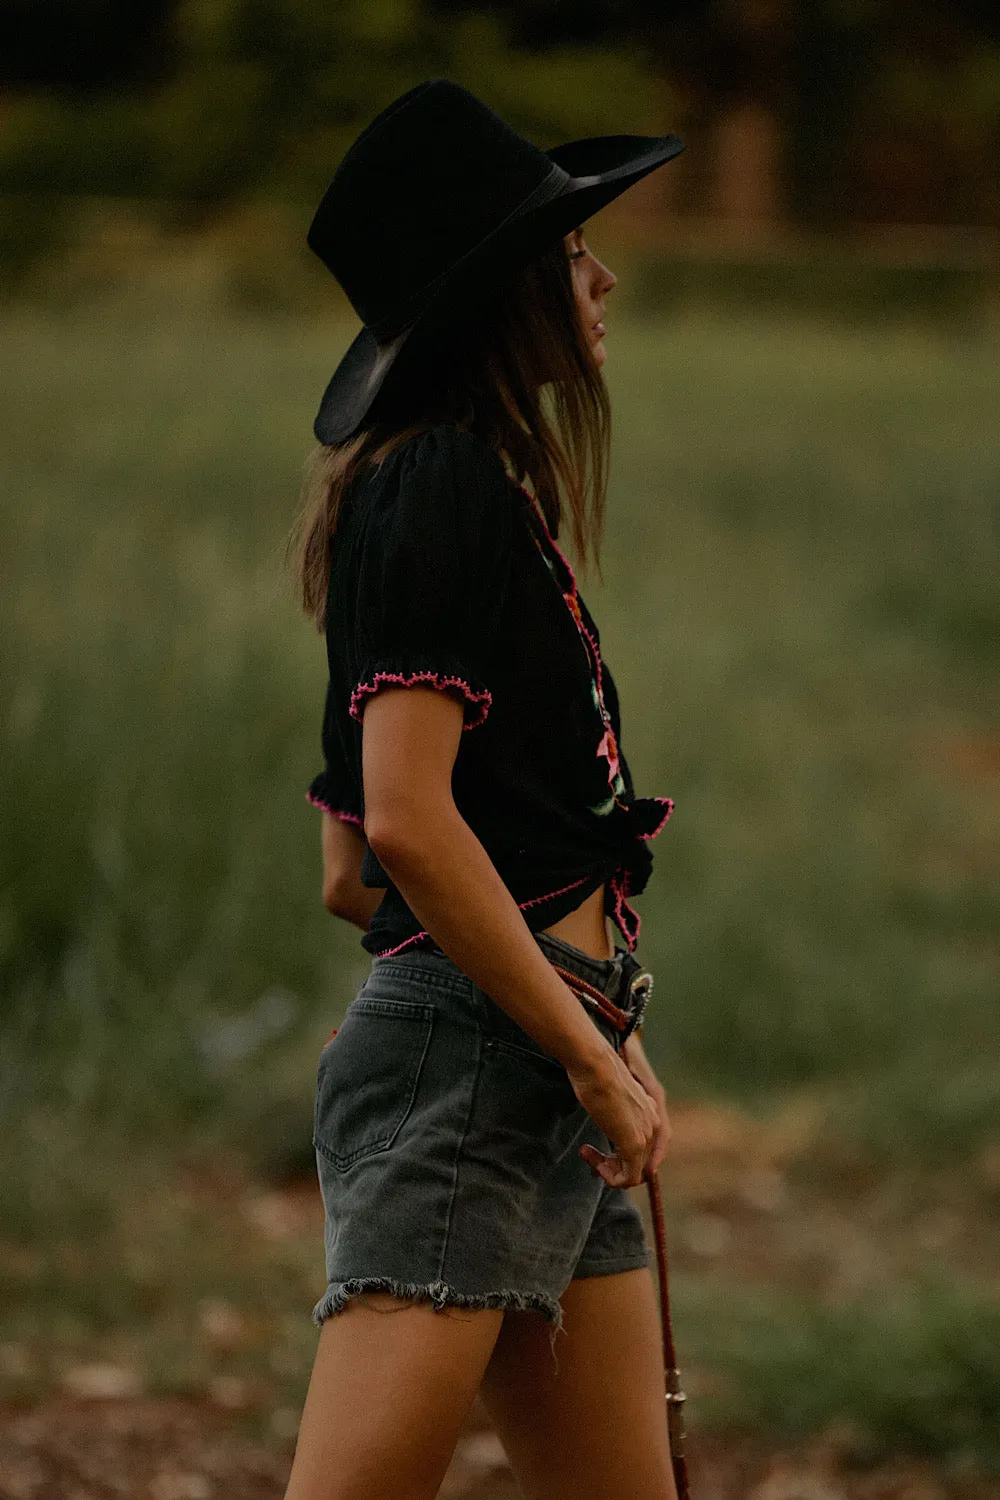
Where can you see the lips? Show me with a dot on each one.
(600, 330)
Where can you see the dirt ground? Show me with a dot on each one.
(169, 1449)
(761, 1202)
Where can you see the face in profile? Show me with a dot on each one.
(592, 281)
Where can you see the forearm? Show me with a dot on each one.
(344, 895)
(354, 902)
(453, 889)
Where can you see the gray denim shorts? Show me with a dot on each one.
(447, 1146)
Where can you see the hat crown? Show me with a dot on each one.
(425, 183)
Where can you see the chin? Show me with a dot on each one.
(600, 353)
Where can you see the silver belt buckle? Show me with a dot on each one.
(640, 989)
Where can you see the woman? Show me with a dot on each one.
(476, 1124)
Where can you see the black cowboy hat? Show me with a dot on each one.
(434, 195)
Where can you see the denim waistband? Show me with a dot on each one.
(614, 977)
(625, 981)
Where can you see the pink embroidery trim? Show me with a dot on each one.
(521, 907)
(335, 812)
(608, 748)
(626, 916)
(480, 701)
(668, 804)
(389, 952)
(541, 516)
(575, 605)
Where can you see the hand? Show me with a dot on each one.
(641, 1068)
(619, 1104)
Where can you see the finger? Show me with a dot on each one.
(595, 1159)
(644, 1158)
(610, 1167)
(616, 1174)
(628, 1170)
(660, 1144)
(656, 1159)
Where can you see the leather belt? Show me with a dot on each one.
(625, 1008)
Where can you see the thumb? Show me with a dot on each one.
(593, 1158)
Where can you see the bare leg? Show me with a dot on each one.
(598, 1426)
(390, 1390)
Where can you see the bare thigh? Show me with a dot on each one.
(390, 1390)
(597, 1426)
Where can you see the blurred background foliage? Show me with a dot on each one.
(800, 609)
(865, 109)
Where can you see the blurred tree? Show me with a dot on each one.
(928, 120)
(84, 45)
(846, 108)
(265, 95)
(824, 110)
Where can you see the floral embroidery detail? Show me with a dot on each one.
(608, 747)
(479, 702)
(335, 812)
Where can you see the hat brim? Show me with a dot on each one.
(598, 171)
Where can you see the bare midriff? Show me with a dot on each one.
(587, 927)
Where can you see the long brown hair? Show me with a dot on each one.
(522, 376)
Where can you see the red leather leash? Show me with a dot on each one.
(675, 1396)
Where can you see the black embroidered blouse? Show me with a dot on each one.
(444, 572)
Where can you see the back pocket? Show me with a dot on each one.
(368, 1078)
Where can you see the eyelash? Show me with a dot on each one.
(576, 254)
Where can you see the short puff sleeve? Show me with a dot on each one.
(433, 570)
(335, 789)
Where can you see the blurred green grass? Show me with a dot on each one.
(804, 620)
(800, 610)
(801, 614)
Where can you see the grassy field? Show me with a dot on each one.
(801, 613)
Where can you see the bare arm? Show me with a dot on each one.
(410, 741)
(343, 894)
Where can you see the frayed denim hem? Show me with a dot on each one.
(339, 1293)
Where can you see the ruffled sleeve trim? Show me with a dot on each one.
(321, 795)
(476, 698)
